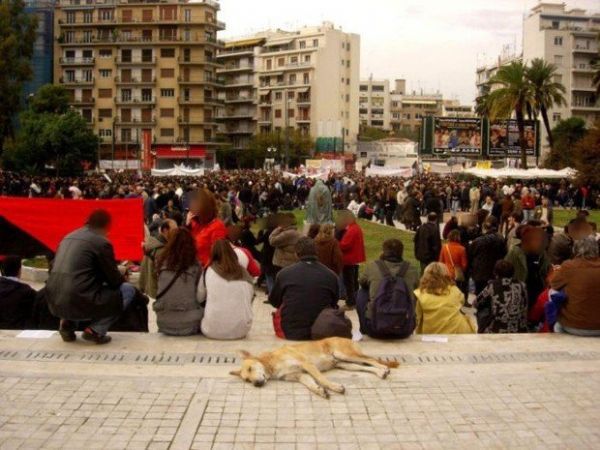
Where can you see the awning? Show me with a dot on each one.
(244, 43)
(276, 43)
(179, 151)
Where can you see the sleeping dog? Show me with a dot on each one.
(305, 362)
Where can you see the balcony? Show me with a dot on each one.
(77, 81)
(237, 83)
(236, 115)
(135, 81)
(135, 61)
(240, 99)
(135, 121)
(239, 130)
(210, 82)
(149, 100)
(585, 49)
(303, 101)
(266, 120)
(585, 68)
(289, 66)
(231, 68)
(77, 61)
(82, 101)
(194, 121)
(303, 119)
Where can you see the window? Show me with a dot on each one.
(306, 79)
(281, 62)
(167, 92)
(105, 53)
(126, 55)
(291, 113)
(71, 16)
(556, 24)
(167, 53)
(105, 132)
(558, 59)
(106, 14)
(187, 15)
(147, 15)
(105, 113)
(127, 15)
(70, 36)
(293, 78)
(167, 112)
(556, 117)
(364, 88)
(558, 40)
(87, 36)
(278, 114)
(294, 60)
(306, 58)
(302, 44)
(105, 73)
(167, 132)
(167, 73)
(104, 93)
(278, 95)
(315, 42)
(147, 55)
(291, 95)
(87, 17)
(348, 48)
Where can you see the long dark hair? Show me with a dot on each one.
(224, 261)
(179, 253)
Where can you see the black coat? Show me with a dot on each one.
(84, 280)
(302, 291)
(428, 243)
(16, 305)
(483, 254)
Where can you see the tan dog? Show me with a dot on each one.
(305, 362)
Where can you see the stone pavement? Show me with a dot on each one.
(156, 392)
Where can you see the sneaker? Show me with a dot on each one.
(67, 331)
(92, 336)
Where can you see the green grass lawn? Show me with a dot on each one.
(563, 216)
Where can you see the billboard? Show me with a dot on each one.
(457, 136)
(504, 138)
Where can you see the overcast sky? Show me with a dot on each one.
(433, 44)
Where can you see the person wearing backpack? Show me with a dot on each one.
(385, 303)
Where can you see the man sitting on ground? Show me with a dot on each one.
(16, 298)
(85, 283)
(301, 292)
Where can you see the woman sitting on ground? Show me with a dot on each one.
(226, 290)
(177, 311)
(502, 305)
(439, 302)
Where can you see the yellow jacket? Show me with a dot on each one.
(441, 314)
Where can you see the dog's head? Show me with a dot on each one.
(252, 370)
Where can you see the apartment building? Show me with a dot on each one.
(305, 80)
(486, 70)
(567, 38)
(374, 103)
(143, 74)
(239, 85)
(407, 109)
(453, 108)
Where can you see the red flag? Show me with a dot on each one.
(50, 220)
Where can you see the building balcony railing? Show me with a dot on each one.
(133, 121)
(232, 115)
(239, 130)
(301, 119)
(134, 39)
(583, 68)
(77, 61)
(199, 62)
(208, 81)
(81, 81)
(135, 81)
(140, 61)
(82, 101)
(235, 68)
(303, 101)
(240, 99)
(182, 120)
(149, 100)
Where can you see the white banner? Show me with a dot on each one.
(120, 164)
(377, 171)
(178, 171)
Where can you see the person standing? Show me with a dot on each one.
(428, 242)
(474, 198)
(85, 283)
(352, 245)
(483, 254)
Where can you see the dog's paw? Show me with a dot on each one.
(339, 388)
(322, 392)
(383, 374)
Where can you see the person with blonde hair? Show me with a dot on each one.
(439, 304)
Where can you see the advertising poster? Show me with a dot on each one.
(504, 138)
(457, 136)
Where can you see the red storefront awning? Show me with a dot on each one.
(180, 151)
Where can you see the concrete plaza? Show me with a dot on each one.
(156, 392)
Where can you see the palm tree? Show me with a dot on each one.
(482, 105)
(514, 93)
(547, 92)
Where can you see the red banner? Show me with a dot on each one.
(49, 220)
(146, 147)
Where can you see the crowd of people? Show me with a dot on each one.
(497, 265)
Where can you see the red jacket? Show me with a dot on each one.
(353, 246)
(205, 236)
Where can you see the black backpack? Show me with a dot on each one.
(393, 313)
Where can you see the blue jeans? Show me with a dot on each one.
(558, 328)
(101, 326)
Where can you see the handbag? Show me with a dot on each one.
(459, 275)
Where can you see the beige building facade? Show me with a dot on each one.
(374, 103)
(305, 80)
(408, 109)
(143, 74)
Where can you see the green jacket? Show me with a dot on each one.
(517, 257)
(371, 277)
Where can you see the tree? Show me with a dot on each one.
(17, 36)
(300, 147)
(547, 93)
(50, 99)
(596, 67)
(566, 134)
(514, 94)
(587, 157)
(60, 141)
(372, 134)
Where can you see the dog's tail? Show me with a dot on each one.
(390, 364)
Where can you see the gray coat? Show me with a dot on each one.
(84, 281)
(284, 241)
(177, 311)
